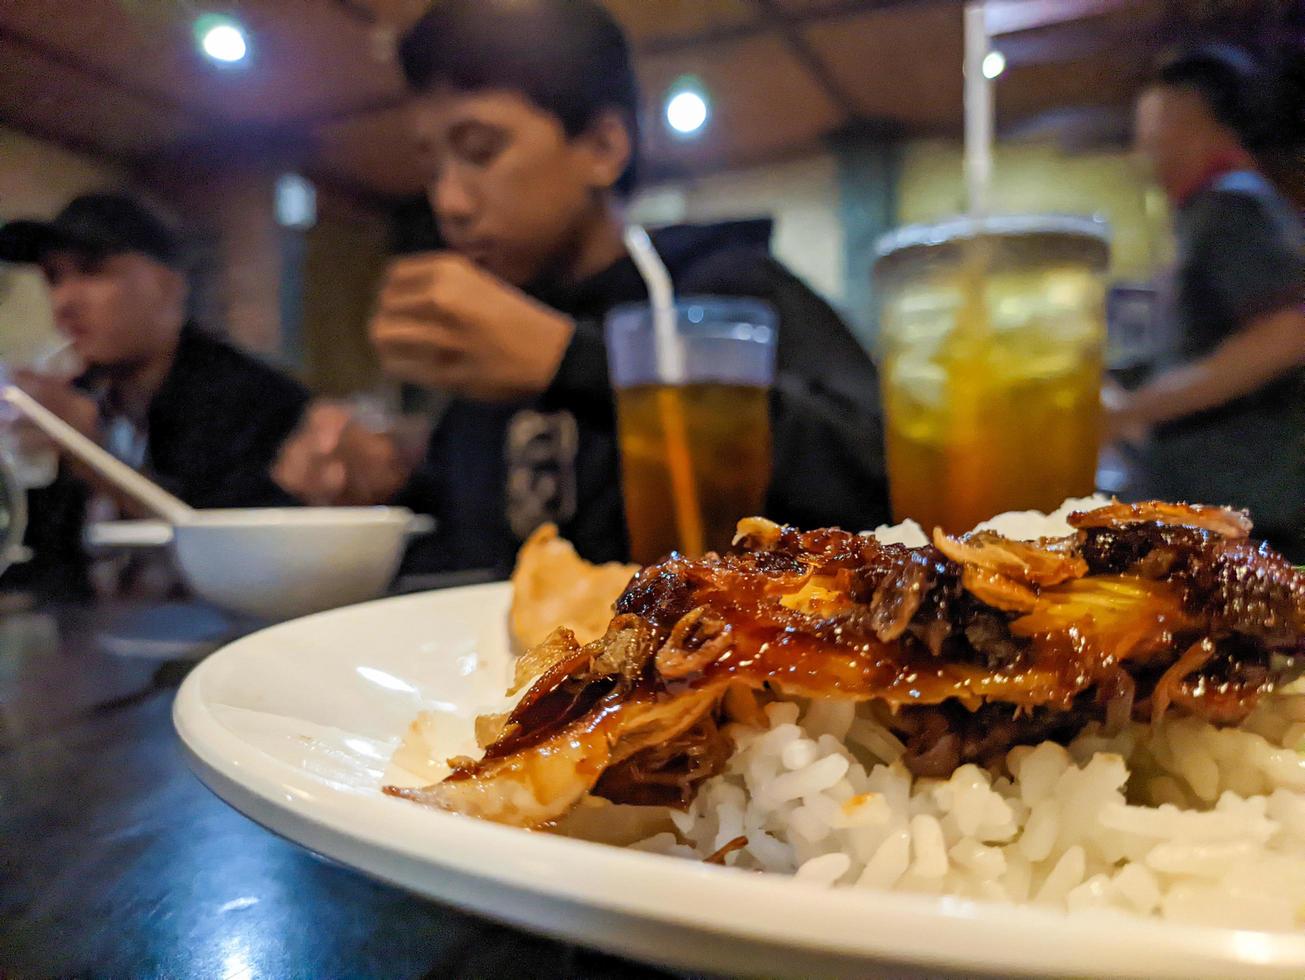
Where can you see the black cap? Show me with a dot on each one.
(102, 224)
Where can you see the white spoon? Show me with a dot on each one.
(145, 492)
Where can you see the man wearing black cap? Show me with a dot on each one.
(202, 418)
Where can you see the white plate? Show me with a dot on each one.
(294, 727)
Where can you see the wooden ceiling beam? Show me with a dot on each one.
(358, 10)
(772, 14)
(203, 118)
(216, 130)
(85, 69)
(78, 145)
(777, 16)
(730, 32)
(1014, 16)
(141, 163)
(1078, 42)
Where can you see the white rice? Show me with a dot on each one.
(1187, 821)
(1184, 821)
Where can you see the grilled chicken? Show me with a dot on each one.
(970, 645)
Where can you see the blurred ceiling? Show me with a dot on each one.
(124, 78)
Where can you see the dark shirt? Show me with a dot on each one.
(496, 471)
(213, 431)
(1241, 254)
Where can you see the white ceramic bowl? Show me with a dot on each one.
(278, 563)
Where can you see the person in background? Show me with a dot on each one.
(525, 116)
(194, 413)
(1226, 409)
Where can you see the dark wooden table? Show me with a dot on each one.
(116, 861)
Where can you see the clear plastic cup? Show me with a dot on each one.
(991, 340)
(33, 462)
(13, 515)
(30, 463)
(695, 450)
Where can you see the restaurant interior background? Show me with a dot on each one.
(292, 172)
(839, 119)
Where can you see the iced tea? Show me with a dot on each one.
(991, 375)
(706, 440)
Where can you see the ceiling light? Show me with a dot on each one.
(222, 40)
(686, 111)
(994, 63)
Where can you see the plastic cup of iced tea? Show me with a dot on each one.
(695, 449)
(991, 341)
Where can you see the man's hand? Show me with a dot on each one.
(1260, 351)
(444, 322)
(332, 460)
(1118, 419)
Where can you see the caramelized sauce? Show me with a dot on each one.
(806, 615)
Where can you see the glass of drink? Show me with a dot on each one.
(13, 514)
(992, 335)
(695, 450)
(32, 459)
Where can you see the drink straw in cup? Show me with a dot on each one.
(670, 370)
(978, 111)
(971, 335)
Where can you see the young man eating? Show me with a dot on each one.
(525, 118)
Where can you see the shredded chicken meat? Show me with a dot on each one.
(969, 646)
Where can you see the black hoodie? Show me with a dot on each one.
(494, 472)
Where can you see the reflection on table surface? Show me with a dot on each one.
(117, 861)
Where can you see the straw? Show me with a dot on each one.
(661, 295)
(47, 357)
(669, 352)
(978, 112)
(966, 478)
(148, 494)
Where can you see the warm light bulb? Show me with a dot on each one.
(224, 42)
(994, 63)
(686, 112)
